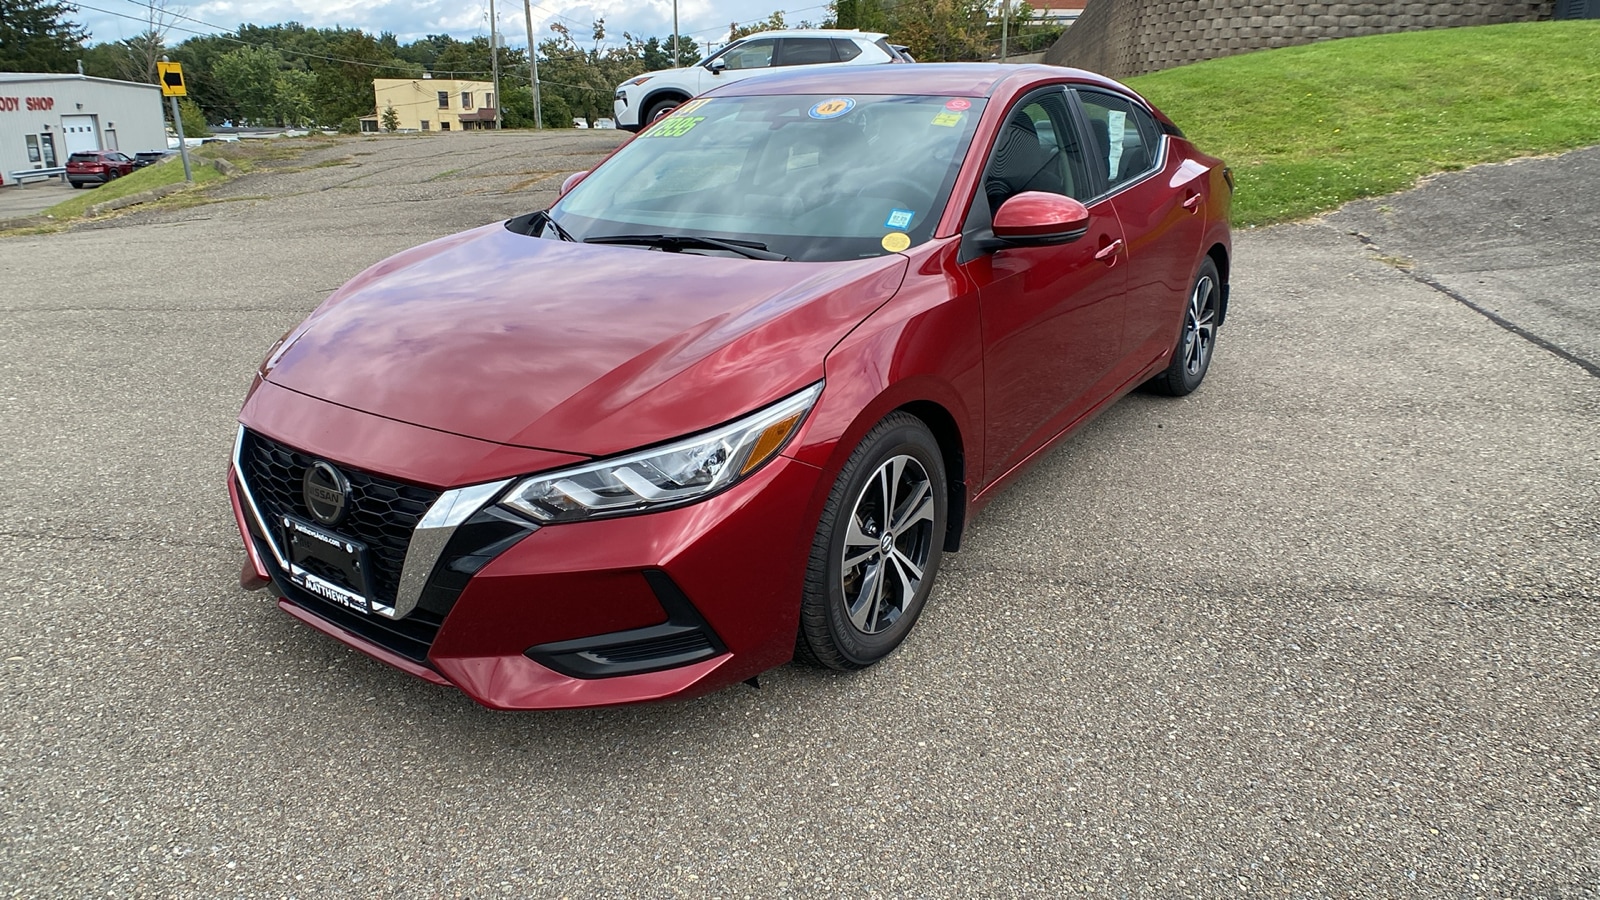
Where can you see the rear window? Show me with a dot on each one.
(84, 157)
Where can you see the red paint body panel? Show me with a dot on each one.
(375, 444)
(538, 357)
(489, 355)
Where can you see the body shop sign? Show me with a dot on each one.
(31, 104)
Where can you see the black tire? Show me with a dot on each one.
(1197, 340)
(77, 185)
(851, 616)
(659, 109)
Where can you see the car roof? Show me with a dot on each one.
(944, 79)
(816, 32)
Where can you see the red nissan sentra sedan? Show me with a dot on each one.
(728, 400)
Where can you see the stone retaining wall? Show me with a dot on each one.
(1120, 38)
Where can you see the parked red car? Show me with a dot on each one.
(97, 166)
(730, 398)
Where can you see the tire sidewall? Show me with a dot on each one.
(1179, 370)
(909, 439)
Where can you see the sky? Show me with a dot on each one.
(705, 20)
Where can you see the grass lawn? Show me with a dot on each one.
(148, 178)
(243, 154)
(1308, 128)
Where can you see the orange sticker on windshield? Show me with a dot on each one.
(895, 241)
(832, 109)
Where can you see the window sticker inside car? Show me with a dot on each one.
(1116, 123)
(691, 106)
(832, 109)
(947, 119)
(895, 241)
(958, 104)
(899, 218)
(675, 126)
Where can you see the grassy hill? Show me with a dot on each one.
(1309, 128)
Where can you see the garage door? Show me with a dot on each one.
(80, 132)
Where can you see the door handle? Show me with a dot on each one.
(1193, 203)
(1109, 251)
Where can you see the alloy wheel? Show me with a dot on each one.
(1200, 326)
(887, 544)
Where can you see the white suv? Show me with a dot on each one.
(640, 101)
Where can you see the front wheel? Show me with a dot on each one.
(877, 548)
(1198, 340)
(659, 109)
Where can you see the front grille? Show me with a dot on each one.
(382, 515)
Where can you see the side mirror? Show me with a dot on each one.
(1033, 218)
(717, 65)
(571, 182)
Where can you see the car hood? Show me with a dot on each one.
(573, 347)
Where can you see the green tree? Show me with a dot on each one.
(773, 22)
(194, 119)
(585, 79)
(39, 36)
(391, 120)
(249, 75)
(294, 106)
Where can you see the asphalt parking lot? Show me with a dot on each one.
(1327, 627)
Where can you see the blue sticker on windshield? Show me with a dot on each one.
(899, 218)
(832, 109)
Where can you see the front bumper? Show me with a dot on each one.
(660, 606)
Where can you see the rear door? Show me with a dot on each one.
(1159, 197)
(1052, 315)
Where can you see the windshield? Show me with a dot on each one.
(811, 177)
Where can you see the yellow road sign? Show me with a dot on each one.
(171, 77)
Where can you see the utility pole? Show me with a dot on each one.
(1005, 26)
(533, 67)
(494, 63)
(675, 62)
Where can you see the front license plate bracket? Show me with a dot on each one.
(329, 565)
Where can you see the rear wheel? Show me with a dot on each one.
(1198, 340)
(877, 548)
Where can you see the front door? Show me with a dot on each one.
(1052, 315)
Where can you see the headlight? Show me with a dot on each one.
(678, 473)
(640, 80)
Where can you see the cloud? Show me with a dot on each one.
(409, 20)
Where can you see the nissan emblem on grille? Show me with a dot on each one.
(327, 492)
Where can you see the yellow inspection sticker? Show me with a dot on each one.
(895, 241)
(950, 119)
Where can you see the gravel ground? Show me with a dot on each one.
(1325, 628)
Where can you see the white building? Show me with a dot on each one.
(46, 118)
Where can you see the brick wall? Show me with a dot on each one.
(1120, 38)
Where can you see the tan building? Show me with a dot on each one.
(432, 104)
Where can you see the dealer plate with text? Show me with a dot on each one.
(328, 565)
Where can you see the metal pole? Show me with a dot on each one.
(533, 66)
(675, 62)
(1005, 26)
(494, 64)
(177, 125)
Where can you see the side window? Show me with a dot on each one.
(805, 51)
(846, 48)
(1125, 137)
(750, 55)
(1037, 150)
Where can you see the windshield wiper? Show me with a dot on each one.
(674, 243)
(544, 217)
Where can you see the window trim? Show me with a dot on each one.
(1158, 159)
